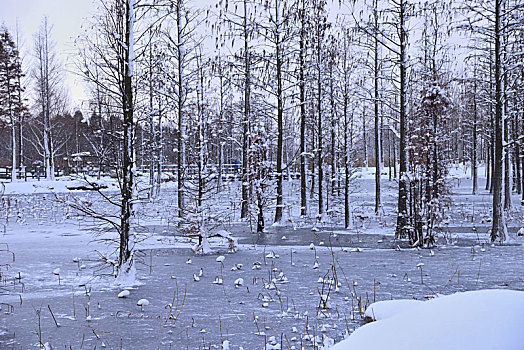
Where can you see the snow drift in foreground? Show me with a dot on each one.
(486, 319)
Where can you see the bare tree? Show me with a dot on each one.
(47, 75)
(107, 60)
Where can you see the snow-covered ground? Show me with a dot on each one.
(291, 287)
(486, 319)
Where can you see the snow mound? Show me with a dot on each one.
(389, 308)
(480, 320)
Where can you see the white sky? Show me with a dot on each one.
(66, 17)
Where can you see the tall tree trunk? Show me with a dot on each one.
(160, 150)
(505, 122)
(201, 128)
(474, 171)
(522, 153)
(498, 222)
(151, 127)
(516, 153)
(302, 88)
(319, 128)
(245, 121)
(319, 146)
(333, 178)
(389, 154)
(365, 136)
(127, 144)
(220, 148)
(489, 162)
(402, 228)
(181, 154)
(347, 214)
(378, 141)
(14, 175)
(280, 115)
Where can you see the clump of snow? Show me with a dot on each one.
(480, 320)
(143, 302)
(239, 282)
(123, 294)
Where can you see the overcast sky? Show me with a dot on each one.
(66, 17)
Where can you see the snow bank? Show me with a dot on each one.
(480, 320)
(61, 185)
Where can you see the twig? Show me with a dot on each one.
(52, 314)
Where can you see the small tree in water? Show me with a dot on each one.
(428, 190)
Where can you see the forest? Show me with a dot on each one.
(272, 112)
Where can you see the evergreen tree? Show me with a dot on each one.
(11, 104)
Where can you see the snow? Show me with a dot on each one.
(123, 294)
(126, 277)
(239, 282)
(142, 302)
(46, 235)
(388, 308)
(61, 185)
(480, 320)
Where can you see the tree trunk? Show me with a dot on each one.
(498, 224)
(378, 141)
(474, 174)
(333, 178)
(302, 88)
(280, 116)
(319, 129)
(127, 144)
(402, 228)
(245, 121)
(181, 122)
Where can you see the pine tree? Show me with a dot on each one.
(11, 104)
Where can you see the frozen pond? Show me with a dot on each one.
(275, 290)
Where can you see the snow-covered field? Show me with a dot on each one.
(293, 287)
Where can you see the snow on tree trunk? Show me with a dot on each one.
(280, 114)
(128, 137)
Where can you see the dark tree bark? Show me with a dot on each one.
(474, 169)
(402, 228)
(181, 101)
(280, 114)
(127, 146)
(498, 223)
(245, 120)
(378, 141)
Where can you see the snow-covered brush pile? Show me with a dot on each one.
(480, 320)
